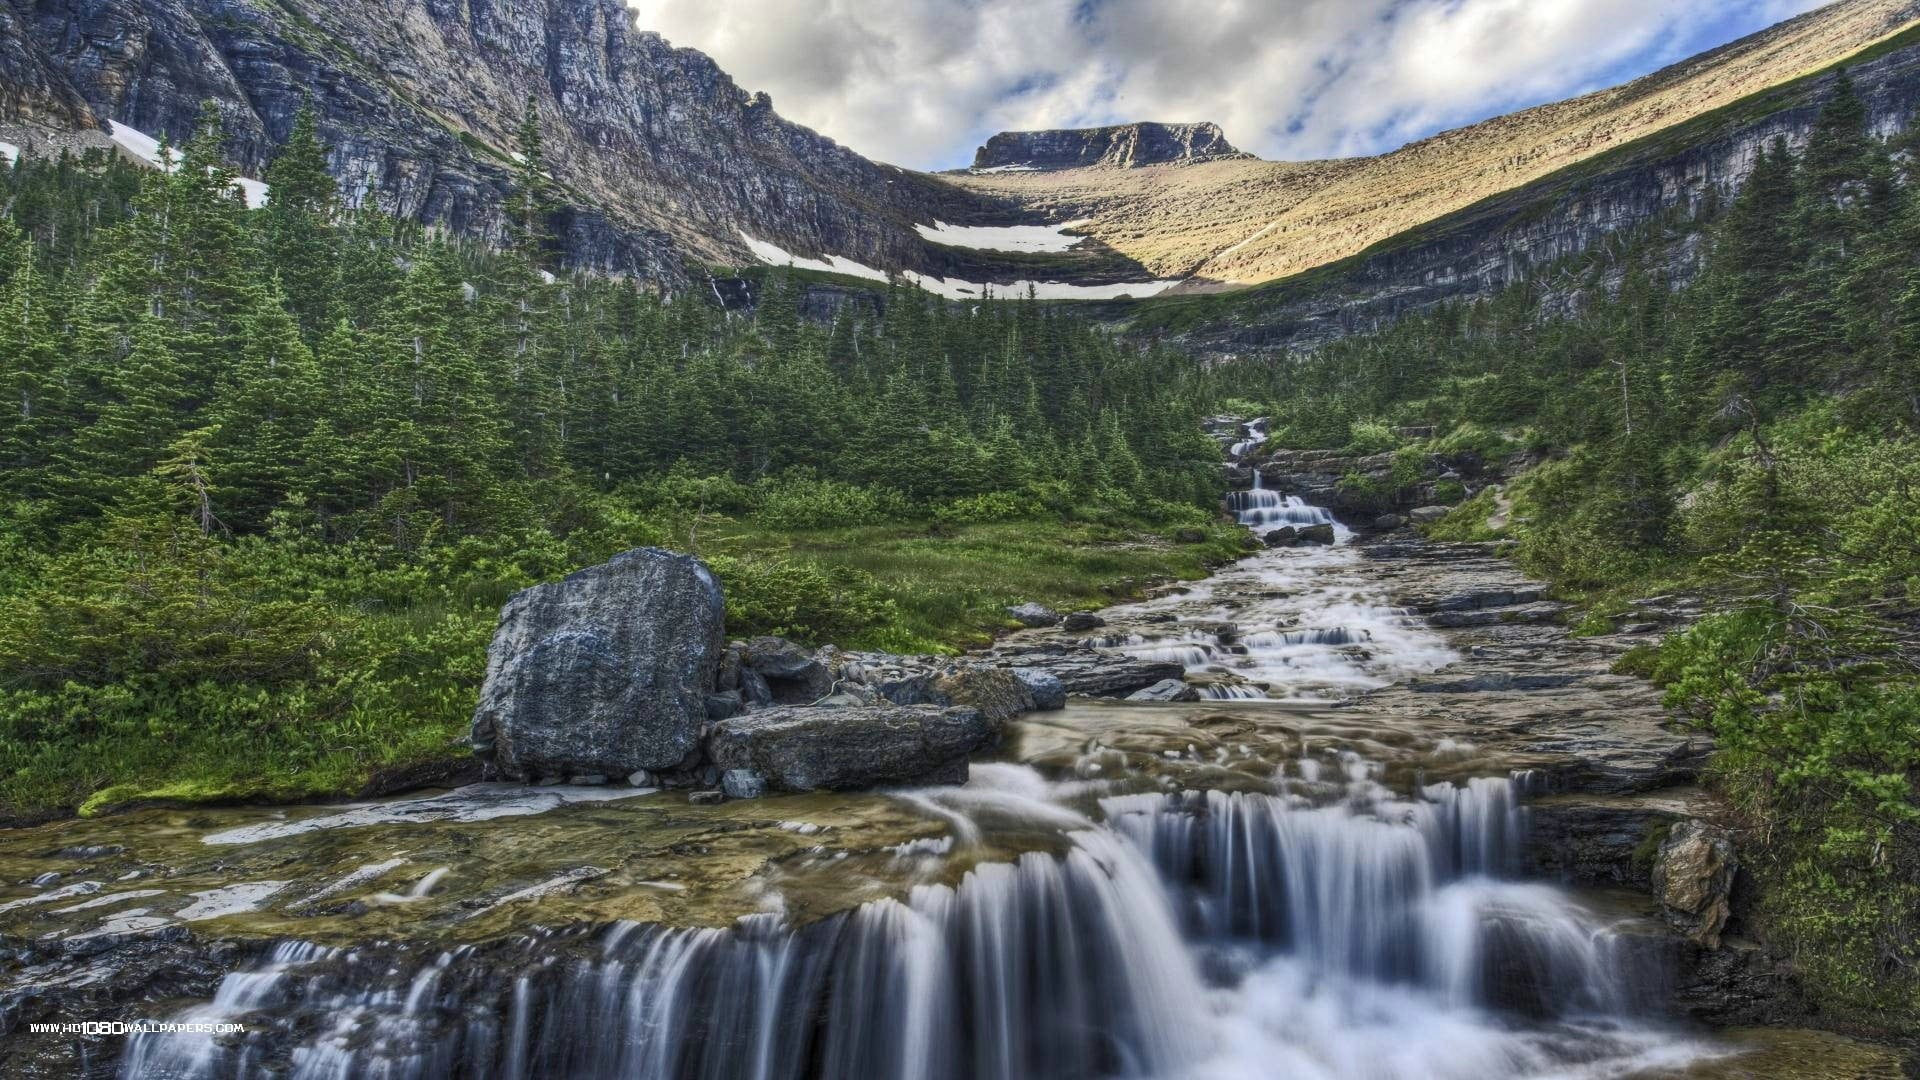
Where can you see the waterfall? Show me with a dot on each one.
(1256, 432)
(1260, 507)
(1141, 948)
(1291, 624)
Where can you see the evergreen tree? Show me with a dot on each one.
(302, 200)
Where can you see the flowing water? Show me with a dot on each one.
(1289, 624)
(1198, 908)
(1326, 927)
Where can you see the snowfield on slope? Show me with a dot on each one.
(955, 288)
(147, 148)
(832, 264)
(1003, 237)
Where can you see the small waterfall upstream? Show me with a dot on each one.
(1259, 508)
(1329, 925)
(1290, 624)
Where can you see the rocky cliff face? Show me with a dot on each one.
(1122, 146)
(663, 160)
(1513, 236)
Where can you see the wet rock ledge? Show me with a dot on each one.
(1617, 803)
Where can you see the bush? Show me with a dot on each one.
(1468, 520)
(1471, 438)
(682, 491)
(1370, 437)
(802, 501)
(768, 594)
(992, 506)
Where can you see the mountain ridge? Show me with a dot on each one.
(669, 170)
(1125, 146)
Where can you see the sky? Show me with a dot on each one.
(921, 83)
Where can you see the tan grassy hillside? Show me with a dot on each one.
(1247, 221)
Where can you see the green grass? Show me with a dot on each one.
(389, 700)
(950, 586)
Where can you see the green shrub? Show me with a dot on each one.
(803, 600)
(802, 501)
(992, 506)
(1370, 437)
(1470, 437)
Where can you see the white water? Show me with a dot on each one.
(1292, 624)
(1319, 930)
(1322, 927)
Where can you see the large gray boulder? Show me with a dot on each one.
(606, 671)
(794, 748)
(1048, 691)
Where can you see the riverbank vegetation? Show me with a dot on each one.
(269, 473)
(1749, 440)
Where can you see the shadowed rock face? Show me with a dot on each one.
(1123, 146)
(602, 673)
(662, 160)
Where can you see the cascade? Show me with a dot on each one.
(1171, 934)
(1260, 507)
(1320, 924)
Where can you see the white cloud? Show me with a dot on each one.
(921, 82)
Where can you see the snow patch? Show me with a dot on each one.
(147, 149)
(956, 289)
(142, 145)
(832, 264)
(10, 152)
(1005, 168)
(254, 191)
(1003, 237)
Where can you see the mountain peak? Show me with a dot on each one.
(1119, 146)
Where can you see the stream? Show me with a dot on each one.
(1263, 883)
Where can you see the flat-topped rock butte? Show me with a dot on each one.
(1404, 791)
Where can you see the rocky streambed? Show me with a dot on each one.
(1371, 811)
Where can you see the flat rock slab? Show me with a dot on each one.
(802, 749)
(1089, 672)
(1524, 681)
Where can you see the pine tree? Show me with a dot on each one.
(29, 362)
(533, 197)
(302, 200)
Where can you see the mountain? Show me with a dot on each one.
(1123, 146)
(1678, 175)
(1241, 222)
(663, 160)
(669, 171)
